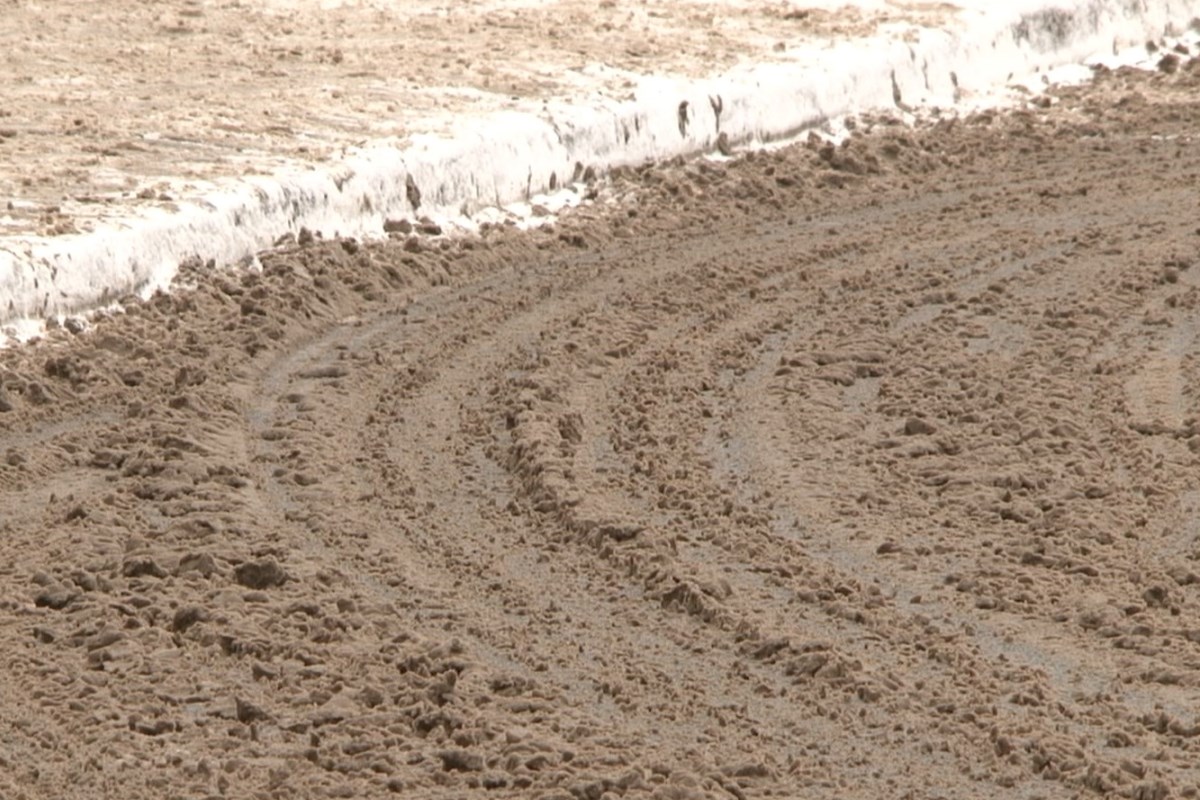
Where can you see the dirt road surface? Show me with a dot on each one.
(867, 471)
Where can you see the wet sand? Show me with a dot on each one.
(863, 471)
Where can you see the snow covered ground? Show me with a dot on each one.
(974, 54)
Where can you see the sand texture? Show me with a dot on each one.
(833, 472)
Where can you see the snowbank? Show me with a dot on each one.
(509, 157)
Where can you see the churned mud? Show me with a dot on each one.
(863, 471)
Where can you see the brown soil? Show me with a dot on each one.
(858, 472)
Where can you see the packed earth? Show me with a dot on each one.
(837, 471)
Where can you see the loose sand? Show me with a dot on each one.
(851, 472)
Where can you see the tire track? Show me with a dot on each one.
(836, 471)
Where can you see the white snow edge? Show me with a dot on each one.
(510, 156)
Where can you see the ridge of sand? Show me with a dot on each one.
(211, 130)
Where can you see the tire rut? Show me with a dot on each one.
(862, 470)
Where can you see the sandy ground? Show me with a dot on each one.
(834, 473)
(121, 105)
